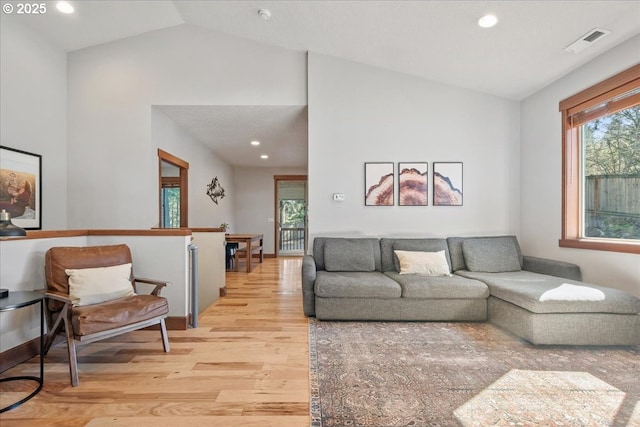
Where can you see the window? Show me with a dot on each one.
(601, 165)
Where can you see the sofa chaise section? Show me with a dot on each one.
(516, 306)
(519, 288)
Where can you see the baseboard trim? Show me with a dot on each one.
(174, 324)
(257, 256)
(177, 323)
(18, 354)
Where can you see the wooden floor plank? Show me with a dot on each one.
(245, 365)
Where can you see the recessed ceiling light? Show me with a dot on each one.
(64, 7)
(255, 143)
(264, 14)
(488, 21)
(264, 156)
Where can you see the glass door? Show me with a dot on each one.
(291, 217)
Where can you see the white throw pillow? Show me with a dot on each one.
(423, 263)
(95, 285)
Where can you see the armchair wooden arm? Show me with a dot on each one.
(58, 296)
(159, 284)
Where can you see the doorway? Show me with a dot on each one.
(174, 177)
(291, 214)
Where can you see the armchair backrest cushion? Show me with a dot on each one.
(58, 259)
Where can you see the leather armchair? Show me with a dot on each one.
(89, 323)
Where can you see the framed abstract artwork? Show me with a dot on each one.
(379, 184)
(447, 184)
(21, 187)
(412, 184)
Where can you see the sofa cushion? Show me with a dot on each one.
(492, 254)
(319, 244)
(351, 284)
(389, 262)
(348, 255)
(423, 263)
(439, 287)
(455, 253)
(524, 289)
(457, 257)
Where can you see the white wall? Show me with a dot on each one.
(112, 159)
(541, 132)
(203, 166)
(254, 202)
(359, 114)
(33, 110)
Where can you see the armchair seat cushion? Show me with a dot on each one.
(89, 319)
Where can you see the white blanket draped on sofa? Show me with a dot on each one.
(569, 292)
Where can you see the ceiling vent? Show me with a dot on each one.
(587, 40)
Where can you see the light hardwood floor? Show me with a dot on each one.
(245, 365)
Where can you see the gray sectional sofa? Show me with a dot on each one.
(486, 278)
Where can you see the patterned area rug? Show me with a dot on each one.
(464, 374)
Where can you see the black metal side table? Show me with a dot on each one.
(14, 301)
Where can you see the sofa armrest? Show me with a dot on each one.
(552, 267)
(308, 282)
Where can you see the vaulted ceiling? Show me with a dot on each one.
(435, 40)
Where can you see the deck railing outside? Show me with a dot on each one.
(291, 239)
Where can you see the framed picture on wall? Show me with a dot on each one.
(412, 184)
(447, 184)
(21, 187)
(379, 184)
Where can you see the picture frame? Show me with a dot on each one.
(379, 181)
(447, 184)
(21, 187)
(413, 183)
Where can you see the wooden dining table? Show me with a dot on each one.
(253, 243)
